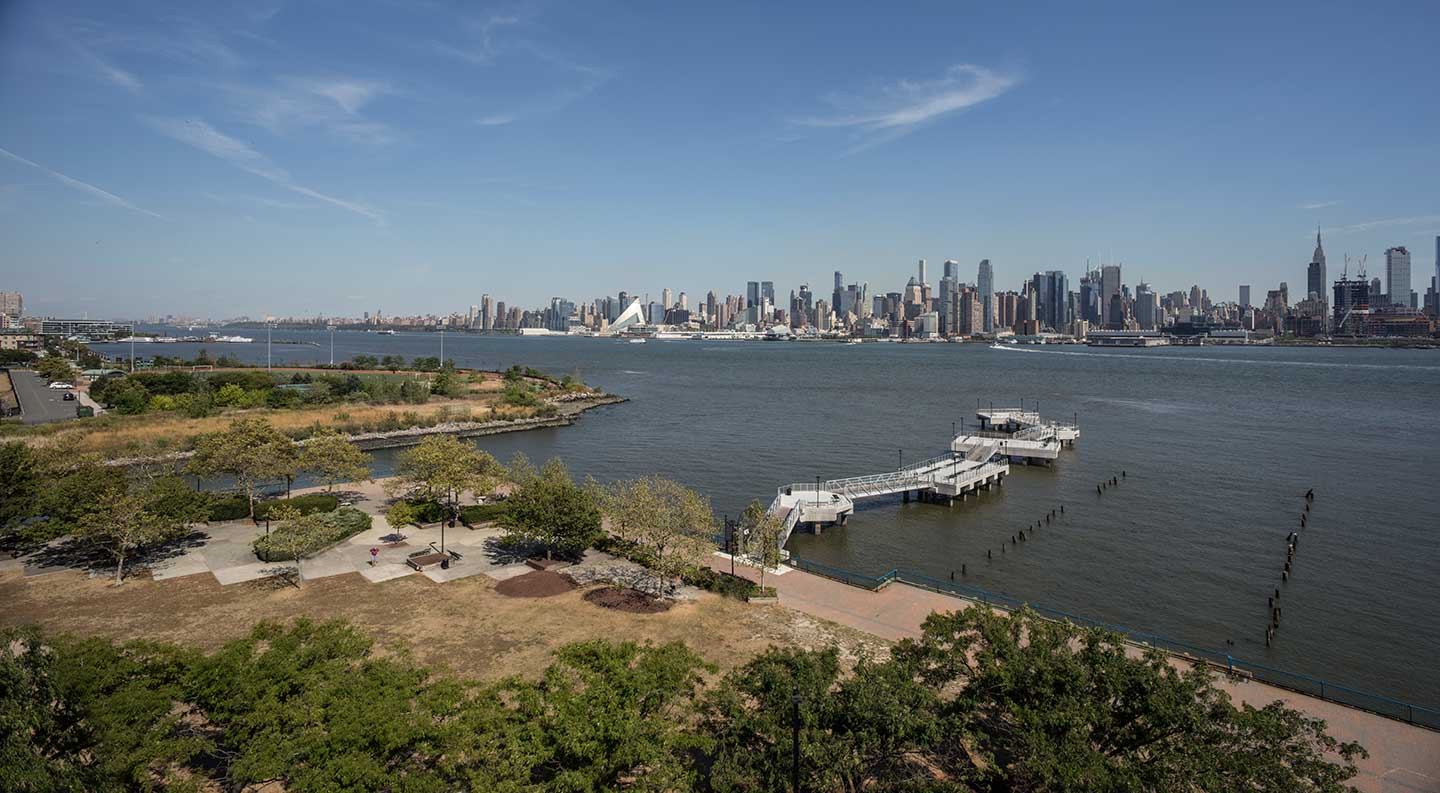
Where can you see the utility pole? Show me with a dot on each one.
(267, 348)
(442, 348)
(795, 742)
(332, 345)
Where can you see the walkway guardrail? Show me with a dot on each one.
(1329, 691)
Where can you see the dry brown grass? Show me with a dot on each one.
(463, 625)
(160, 432)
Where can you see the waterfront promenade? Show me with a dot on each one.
(1403, 758)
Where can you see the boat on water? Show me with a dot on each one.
(636, 341)
(386, 332)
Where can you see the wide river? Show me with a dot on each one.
(1219, 446)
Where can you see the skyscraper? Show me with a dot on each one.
(1244, 297)
(985, 283)
(1315, 273)
(952, 270)
(752, 293)
(1397, 275)
(922, 273)
(665, 297)
(1147, 307)
(486, 321)
(767, 291)
(1109, 284)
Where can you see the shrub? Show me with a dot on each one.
(228, 506)
(305, 505)
(340, 524)
(481, 513)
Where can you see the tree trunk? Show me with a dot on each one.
(119, 568)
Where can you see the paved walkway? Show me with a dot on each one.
(1403, 758)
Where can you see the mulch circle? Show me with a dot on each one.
(630, 600)
(539, 584)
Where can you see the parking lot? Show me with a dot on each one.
(40, 404)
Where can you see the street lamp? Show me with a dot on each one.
(901, 453)
(817, 491)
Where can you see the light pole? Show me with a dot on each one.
(901, 453)
(442, 348)
(817, 491)
(795, 742)
(132, 352)
(267, 348)
(332, 345)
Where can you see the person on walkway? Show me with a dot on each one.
(374, 556)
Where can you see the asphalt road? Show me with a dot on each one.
(40, 404)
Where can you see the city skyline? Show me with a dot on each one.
(190, 160)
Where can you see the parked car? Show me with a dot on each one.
(69, 396)
(58, 384)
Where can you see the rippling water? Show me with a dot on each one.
(1219, 445)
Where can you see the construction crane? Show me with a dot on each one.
(1344, 276)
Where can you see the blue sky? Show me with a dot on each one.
(296, 157)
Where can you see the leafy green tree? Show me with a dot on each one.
(551, 510)
(127, 396)
(670, 523)
(334, 458)
(760, 532)
(442, 468)
(393, 362)
(123, 523)
(249, 451)
(364, 362)
(56, 369)
(1044, 705)
(20, 480)
(43, 737)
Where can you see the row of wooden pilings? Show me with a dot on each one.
(1292, 541)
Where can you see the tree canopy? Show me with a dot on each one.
(981, 702)
(334, 459)
(441, 468)
(250, 451)
(551, 510)
(666, 520)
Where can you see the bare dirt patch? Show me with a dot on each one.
(631, 601)
(539, 584)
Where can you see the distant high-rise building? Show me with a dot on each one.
(1147, 307)
(12, 304)
(665, 297)
(952, 270)
(1244, 297)
(767, 292)
(752, 293)
(501, 321)
(486, 317)
(1397, 275)
(1109, 284)
(684, 302)
(1377, 293)
(1315, 273)
(1195, 297)
(985, 283)
(922, 273)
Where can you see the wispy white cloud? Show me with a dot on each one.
(331, 104)
(910, 102)
(1371, 225)
(239, 154)
(105, 69)
(1320, 205)
(84, 187)
(495, 121)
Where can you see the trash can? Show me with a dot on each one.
(444, 564)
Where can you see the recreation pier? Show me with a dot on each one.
(1024, 436)
(944, 478)
(979, 459)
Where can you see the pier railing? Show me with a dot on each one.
(1329, 691)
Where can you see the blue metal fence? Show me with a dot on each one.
(1305, 684)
